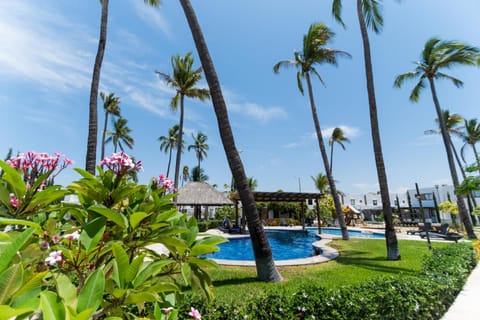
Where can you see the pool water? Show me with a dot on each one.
(285, 244)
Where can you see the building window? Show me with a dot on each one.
(360, 201)
(375, 202)
(395, 202)
(426, 196)
(476, 194)
(310, 202)
(352, 202)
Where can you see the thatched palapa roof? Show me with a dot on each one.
(201, 193)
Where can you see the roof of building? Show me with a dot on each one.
(201, 193)
(281, 196)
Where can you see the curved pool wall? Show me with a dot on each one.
(289, 246)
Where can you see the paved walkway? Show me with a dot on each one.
(465, 306)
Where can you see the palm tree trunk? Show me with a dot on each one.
(266, 270)
(91, 157)
(462, 209)
(471, 198)
(169, 160)
(331, 158)
(393, 252)
(321, 143)
(104, 134)
(179, 141)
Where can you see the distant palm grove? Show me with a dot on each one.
(436, 58)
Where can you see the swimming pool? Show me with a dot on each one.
(285, 244)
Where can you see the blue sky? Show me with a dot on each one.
(47, 51)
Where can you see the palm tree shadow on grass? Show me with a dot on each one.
(359, 259)
(234, 281)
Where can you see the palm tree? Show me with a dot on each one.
(252, 183)
(169, 143)
(91, 155)
(111, 105)
(315, 52)
(184, 80)
(185, 175)
(198, 174)
(470, 138)
(369, 16)
(338, 136)
(200, 146)
(321, 182)
(266, 270)
(438, 55)
(120, 133)
(452, 122)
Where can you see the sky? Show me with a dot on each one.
(48, 48)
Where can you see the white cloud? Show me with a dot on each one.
(260, 113)
(36, 47)
(152, 16)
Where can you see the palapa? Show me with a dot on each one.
(201, 194)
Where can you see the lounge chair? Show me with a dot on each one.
(443, 234)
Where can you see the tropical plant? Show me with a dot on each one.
(120, 133)
(252, 183)
(437, 55)
(111, 106)
(168, 144)
(369, 16)
(185, 174)
(98, 263)
(321, 182)
(470, 137)
(198, 174)
(184, 80)
(91, 154)
(338, 136)
(200, 146)
(265, 265)
(314, 52)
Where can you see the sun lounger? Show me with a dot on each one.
(443, 234)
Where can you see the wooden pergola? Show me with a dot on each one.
(283, 197)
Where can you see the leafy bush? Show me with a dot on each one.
(208, 224)
(426, 296)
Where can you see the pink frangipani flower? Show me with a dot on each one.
(72, 236)
(54, 257)
(195, 314)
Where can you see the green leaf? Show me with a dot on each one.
(85, 314)
(52, 307)
(66, 290)
(151, 270)
(133, 268)
(91, 295)
(4, 195)
(16, 245)
(186, 273)
(33, 283)
(118, 218)
(174, 245)
(136, 218)
(92, 233)
(14, 180)
(44, 198)
(8, 312)
(20, 222)
(139, 297)
(199, 249)
(10, 281)
(122, 262)
(206, 263)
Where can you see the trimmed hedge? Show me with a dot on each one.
(208, 224)
(427, 296)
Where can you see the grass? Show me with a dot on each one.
(359, 260)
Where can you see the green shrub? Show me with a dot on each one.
(426, 296)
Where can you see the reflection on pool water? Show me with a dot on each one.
(285, 244)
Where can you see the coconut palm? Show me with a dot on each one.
(252, 183)
(438, 55)
(266, 270)
(91, 154)
(184, 80)
(338, 136)
(169, 143)
(185, 175)
(200, 146)
(120, 133)
(315, 53)
(198, 174)
(470, 138)
(321, 182)
(369, 16)
(111, 106)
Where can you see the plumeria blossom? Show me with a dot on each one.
(167, 310)
(162, 182)
(195, 314)
(121, 163)
(13, 201)
(72, 236)
(54, 257)
(35, 164)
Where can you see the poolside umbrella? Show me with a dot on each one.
(201, 194)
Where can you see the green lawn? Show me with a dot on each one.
(359, 260)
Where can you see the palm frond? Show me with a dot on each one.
(284, 64)
(371, 10)
(415, 95)
(457, 82)
(299, 82)
(400, 79)
(315, 73)
(337, 12)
